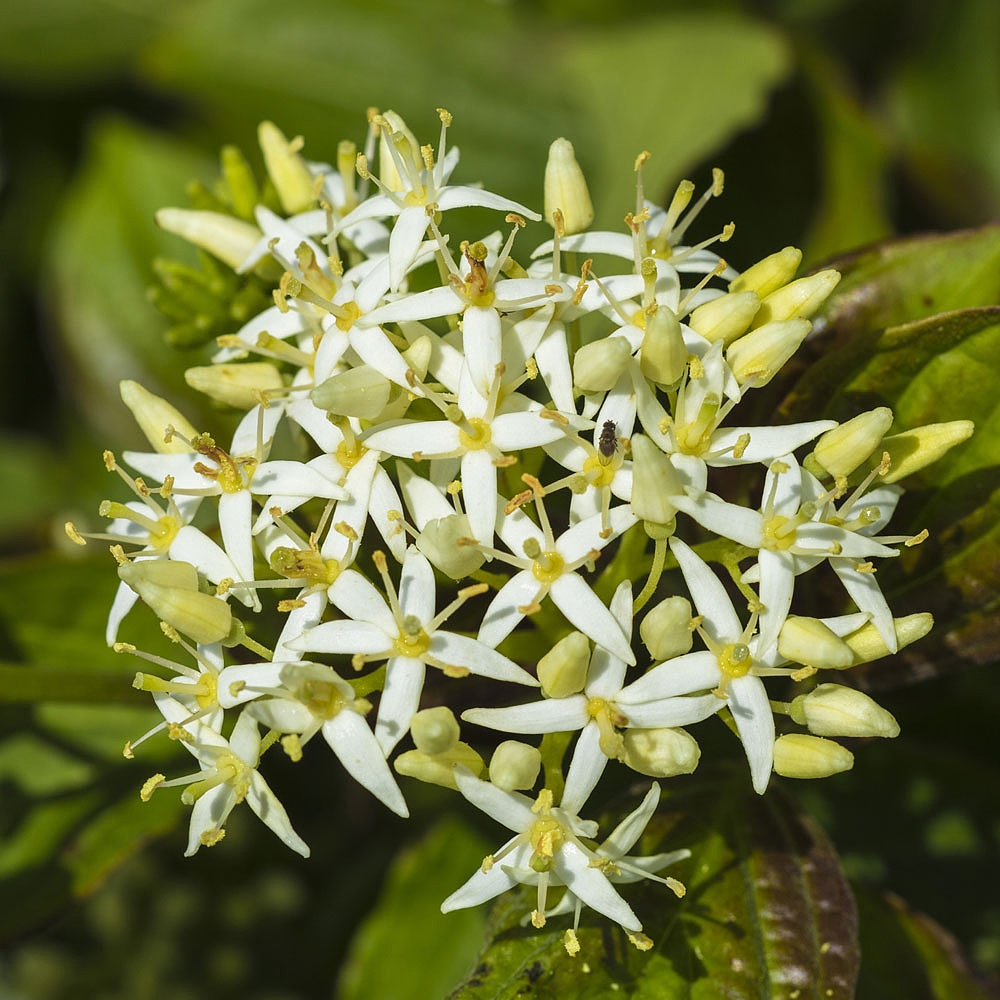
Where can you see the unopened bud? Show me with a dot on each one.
(562, 671)
(434, 730)
(760, 354)
(566, 189)
(913, 450)
(286, 168)
(660, 753)
(666, 629)
(418, 355)
(835, 710)
(360, 392)
(597, 366)
(170, 588)
(514, 766)
(868, 645)
(798, 300)
(237, 385)
(654, 482)
(439, 769)
(725, 318)
(223, 236)
(404, 143)
(842, 449)
(439, 542)
(797, 755)
(812, 643)
(154, 415)
(769, 274)
(664, 354)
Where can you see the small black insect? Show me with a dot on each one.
(608, 441)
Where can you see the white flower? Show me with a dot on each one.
(600, 710)
(546, 850)
(405, 631)
(227, 777)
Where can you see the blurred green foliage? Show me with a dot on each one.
(838, 122)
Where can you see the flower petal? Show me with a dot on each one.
(478, 657)
(404, 680)
(553, 715)
(752, 712)
(358, 750)
(584, 610)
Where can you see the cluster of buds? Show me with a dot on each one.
(469, 477)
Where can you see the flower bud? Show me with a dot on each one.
(223, 236)
(664, 354)
(439, 769)
(515, 766)
(286, 168)
(404, 143)
(562, 671)
(439, 542)
(360, 392)
(769, 274)
(434, 730)
(654, 481)
(868, 645)
(170, 588)
(835, 710)
(154, 415)
(597, 366)
(797, 755)
(237, 385)
(725, 318)
(799, 300)
(810, 642)
(759, 355)
(418, 355)
(566, 189)
(842, 449)
(660, 753)
(912, 450)
(666, 629)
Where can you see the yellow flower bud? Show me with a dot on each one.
(439, 769)
(597, 366)
(835, 710)
(237, 385)
(401, 140)
(223, 236)
(654, 482)
(666, 629)
(726, 317)
(562, 671)
(868, 645)
(439, 542)
(170, 588)
(842, 449)
(799, 300)
(797, 755)
(810, 642)
(759, 355)
(434, 730)
(154, 415)
(286, 168)
(515, 766)
(360, 392)
(769, 274)
(660, 753)
(912, 450)
(566, 189)
(664, 355)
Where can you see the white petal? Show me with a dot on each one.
(345, 637)
(582, 538)
(670, 713)
(710, 598)
(234, 521)
(486, 885)
(752, 713)
(766, 443)
(593, 888)
(358, 750)
(430, 438)
(422, 305)
(404, 241)
(265, 804)
(867, 595)
(404, 680)
(416, 587)
(777, 580)
(509, 808)
(480, 658)
(685, 674)
(726, 519)
(629, 830)
(208, 814)
(585, 769)
(553, 715)
(460, 196)
(295, 479)
(502, 615)
(358, 599)
(479, 493)
(481, 340)
(584, 610)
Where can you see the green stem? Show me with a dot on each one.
(553, 750)
(653, 580)
(363, 686)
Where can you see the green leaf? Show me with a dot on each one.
(397, 953)
(62, 43)
(767, 910)
(100, 265)
(678, 85)
(34, 487)
(909, 955)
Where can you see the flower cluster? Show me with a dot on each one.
(461, 456)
